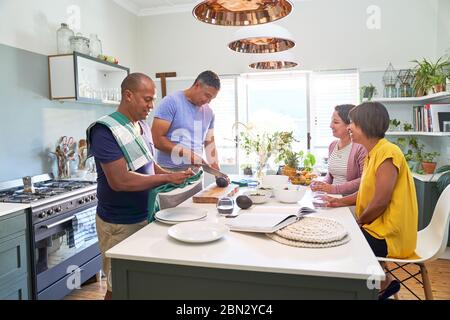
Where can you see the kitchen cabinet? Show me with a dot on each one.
(82, 78)
(14, 257)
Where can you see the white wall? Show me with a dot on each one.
(443, 28)
(32, 25)
(329, 34)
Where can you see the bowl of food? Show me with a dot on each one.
(289, 193)
(258, 196)
(266, 189)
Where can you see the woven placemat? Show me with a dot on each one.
(313, 230)
(302, 244)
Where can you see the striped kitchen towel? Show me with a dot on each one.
(133, 146)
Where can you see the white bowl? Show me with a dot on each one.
(258, 196)
(274, 180)
(289, 194)
(266, 189)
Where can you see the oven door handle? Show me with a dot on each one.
(49, 226)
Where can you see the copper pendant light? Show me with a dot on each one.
(241, 12)
(267, 38)
(275, 61)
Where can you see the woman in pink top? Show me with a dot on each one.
(345, 159)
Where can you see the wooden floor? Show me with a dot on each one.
(439, 273)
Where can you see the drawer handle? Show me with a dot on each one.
(48, 226)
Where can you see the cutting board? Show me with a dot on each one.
(212, 193)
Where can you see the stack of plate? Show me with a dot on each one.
(180, 214)
(312, 232)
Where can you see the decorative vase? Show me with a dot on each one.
(429, 167)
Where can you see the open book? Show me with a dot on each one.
(267, 219)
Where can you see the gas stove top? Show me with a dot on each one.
(49, 189)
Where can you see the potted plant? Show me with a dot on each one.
(407, 126)
(394, 124)
(247, 169)
(265, 145)
(444, 179)
(309, 161)
(428, 163)
(430, 77)
(367, 92)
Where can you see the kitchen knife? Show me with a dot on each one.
(213, 171)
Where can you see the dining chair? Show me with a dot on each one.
(431, 244)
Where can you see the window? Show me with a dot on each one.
(327, 90)
(278, 102)
(224, 106)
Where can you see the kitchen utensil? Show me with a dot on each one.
(213, 193)
(213, 171)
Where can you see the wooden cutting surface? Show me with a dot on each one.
(212, 193)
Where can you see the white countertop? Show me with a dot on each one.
(7, 208)
(255, 252)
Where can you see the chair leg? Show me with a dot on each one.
(426, 282)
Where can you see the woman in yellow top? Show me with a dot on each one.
(386, 204)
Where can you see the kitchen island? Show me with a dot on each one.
(152, 265)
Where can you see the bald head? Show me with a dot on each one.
(135, 81)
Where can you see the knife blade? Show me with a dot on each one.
(213, 171)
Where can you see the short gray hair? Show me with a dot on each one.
(209, 79)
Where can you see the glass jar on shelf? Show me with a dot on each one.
(63, 35)
(79, 43)
(95, 46)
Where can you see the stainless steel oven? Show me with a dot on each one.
(65, 247)
(63, 240)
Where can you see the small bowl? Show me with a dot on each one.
(289, 194)
(258, 196)
(266, 189)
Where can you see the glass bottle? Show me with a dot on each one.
(95, 46)
(63, 35)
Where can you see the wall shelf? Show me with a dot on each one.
(440, 97)
(418, 133)
(82, 78)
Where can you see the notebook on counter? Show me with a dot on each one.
(267, 219)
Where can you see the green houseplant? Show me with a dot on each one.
(309, 161)
(444, 179)
(430, 77)
(394, 124)
(407, 126)
(265, 145)
(428, 163)
(368, 92)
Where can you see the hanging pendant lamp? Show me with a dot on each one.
(241, 12)
(267, 38)
(273, 61)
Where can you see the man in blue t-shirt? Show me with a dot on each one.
(183, 129)
(183, 125)
(122, 194)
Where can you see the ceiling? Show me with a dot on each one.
(155, 7)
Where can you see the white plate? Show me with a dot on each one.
(198, 231)
(180, 214)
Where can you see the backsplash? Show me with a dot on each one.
(31, 123)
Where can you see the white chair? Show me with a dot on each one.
(431, 244)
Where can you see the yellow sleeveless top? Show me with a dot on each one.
(398, 223)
